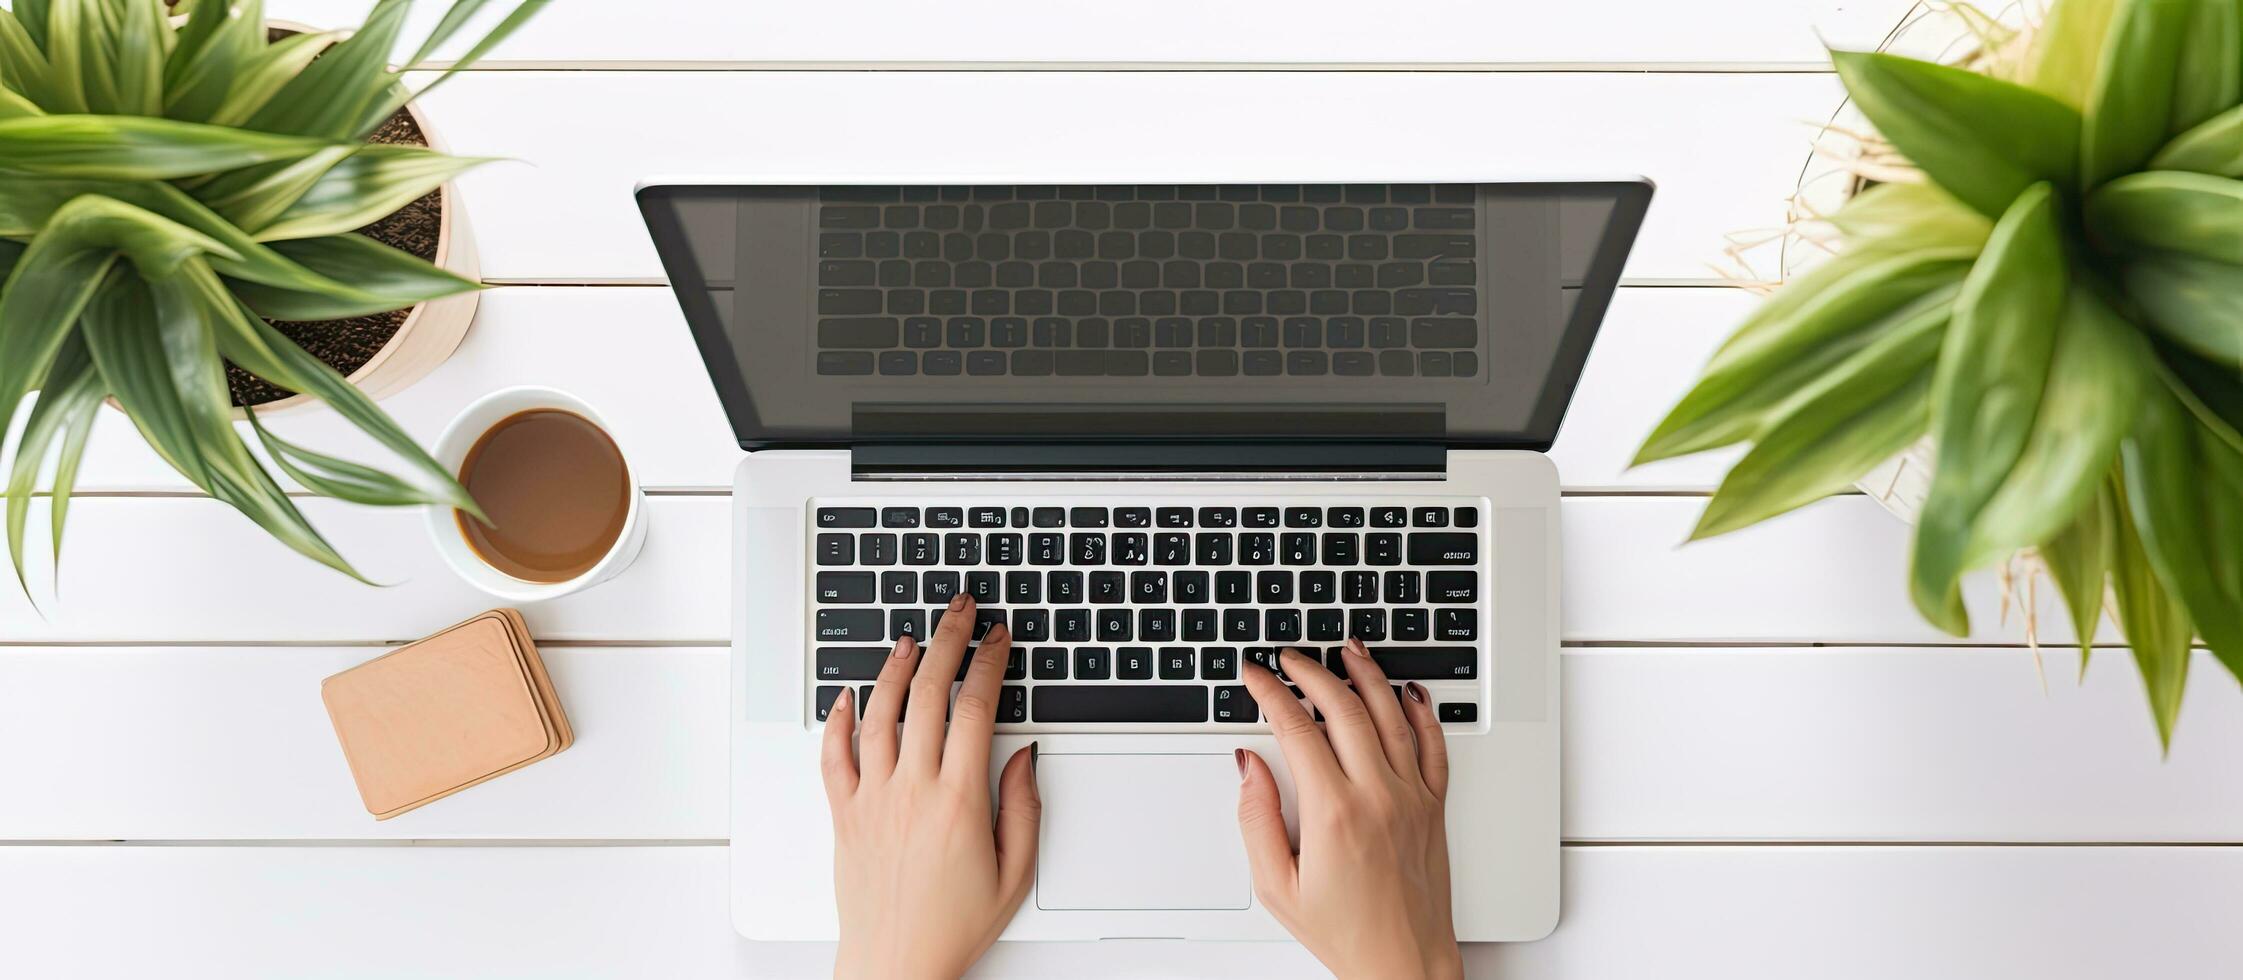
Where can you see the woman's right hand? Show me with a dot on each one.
(1368, 893)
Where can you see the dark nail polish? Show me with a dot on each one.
(1415, 690)
(1032, 758)
(1239, 756)
(1356, 647)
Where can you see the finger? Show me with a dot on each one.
(1346, 722)
(973, 719)
(1277, 873)
(1393, 728)
(838, 759)
(1297, 735)
(1432, 742)
(1020, 810)
(876, 749)
(930, 691)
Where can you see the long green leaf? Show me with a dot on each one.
(1858, 414)
(455, 17)
(78, 430)
(13, 106)
(2127, 112)
(2154, 622)
(2069, 47)
(1806, 329)
(363, 189)
(2171, 211)
(2177, 512)
(71, 387)
(116, 328)
(2079, 559)
(2211, 392)
(250, 199)
(138, 59)
(2196, 302)
(331, 476)
(398, 96)
(397, 279)
(66, 54)
(44, 294)
(250, 342)
(2098, 373)
(1992, 367)
(328, 97)
(135, 148)
(1910, 216)
(264, 74)
(2209, 74)
(1983, 140)
(198, 76)
(23, 66)
(2215, 146)
(33, 13)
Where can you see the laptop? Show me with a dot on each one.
(1159, 430)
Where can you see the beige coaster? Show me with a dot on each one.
(435, 717)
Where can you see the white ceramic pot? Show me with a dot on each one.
(443, 522)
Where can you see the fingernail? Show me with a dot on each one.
(1356, 647)
(1032, 750)
(997, 631)
(846, 702)
(903, 648)
(1239, 756)
(1415, 690)
(957, 602)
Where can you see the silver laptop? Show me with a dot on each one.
(1158, 430)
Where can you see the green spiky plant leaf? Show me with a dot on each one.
(2057, 305)
(170, 175)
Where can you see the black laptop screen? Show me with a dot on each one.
(1453, 314)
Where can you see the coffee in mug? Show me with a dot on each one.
(555, 490)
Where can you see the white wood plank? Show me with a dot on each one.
(164, 569)
(626, 350)
(1673, 912)
(196, 743)
(1725, 148)
(1693, 744)
(1169, 31)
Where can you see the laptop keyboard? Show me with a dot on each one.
(1135, 615)
(1238, 280)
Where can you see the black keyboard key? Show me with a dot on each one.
(1273, 587)
(1156, 625)
(1176, 663)
(1430, 516)
(1131, 549)
(1428, 663)
(899, 588)
(1304, 517)
(877, 549)
(1218, 517)
(1445, 548)
(1467, 517)
(851, 663)
(859, 333)
(1452, 587)
(984, 618)
(1031, 625)
(1148, 588)
(1341, 548)
(1174, 516)
(1134, 663)
(826, 697)
(1401, 588)
(850, 625)
(1107, 588)
(837, 517)
(1174, 548)
(1047, 548)
(939, 586)
(1267, 657)
(1133, 517)
(1190, 586)
(922, 549)
(945, 517)
(1359, 588)
(1066, 586)
(1093, 664)
(962, 549)
(1326, 625)
(845, 587)
(1049, 516)
(1214, 549)
(1114, 626)
(837, 549)
(1024, 588)
(1016, 664)
(845, 362)
(1087, 549)
(1283, 625)
(1259, 517)
(1218, 663)
(1382, 549)
(1070, 626)
(1004, 549)
(1048, 664)
(986, 517)
(1297, 549)
(1241, 626)
(1232, 588)
(1088, 517)
(1199, 625)
(1319, 588)
(1456, 625)
(1234, 704)
(1257, 549)
(1367, 625)
(899, 517)
(1458, 711)
(907, 622)
(1012, 703)
(983, 586)
(1145, 703)
(1411, 626)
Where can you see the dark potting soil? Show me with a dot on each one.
(346, 345)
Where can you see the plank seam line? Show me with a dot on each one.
(590, 66)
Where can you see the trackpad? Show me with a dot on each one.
(1140, 832)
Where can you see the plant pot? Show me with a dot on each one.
(431, 331)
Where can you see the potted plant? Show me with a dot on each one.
(2056, 302)
(202, 213)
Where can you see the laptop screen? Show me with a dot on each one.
(1451, 314)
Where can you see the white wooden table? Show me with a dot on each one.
(1773, 768)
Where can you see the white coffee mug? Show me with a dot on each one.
(443, 523)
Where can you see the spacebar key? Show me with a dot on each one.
(1118, 703)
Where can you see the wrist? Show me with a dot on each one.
(1445, 963)
(853, 962)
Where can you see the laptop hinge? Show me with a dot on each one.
(1147, 460)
